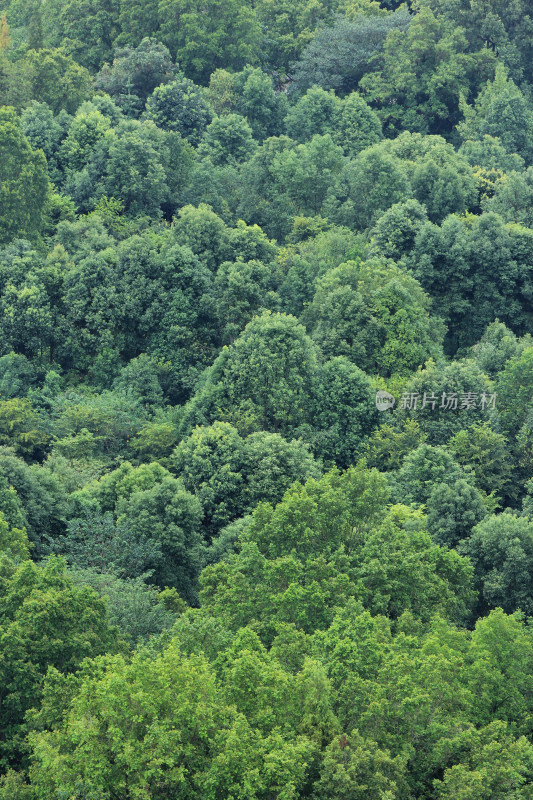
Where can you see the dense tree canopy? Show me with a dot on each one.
(266, 415)
(425, 68)
(340, 54)
(24, 182)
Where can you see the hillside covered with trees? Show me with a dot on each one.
(266, 400)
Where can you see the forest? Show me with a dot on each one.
(266, 400)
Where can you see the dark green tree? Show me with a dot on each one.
(218, 34)
(501, 550)
(135, 72)
(453, 509)
(46, 622)
(137, 20)
(90, 28)
(513, 197)
(475, 269)
(231, 474)
(339, 56)
(367, 186)
(344, 412)
(445, 398)
(228, 140)
(425, 69)
(316, 112)
(503, 28)
(204, 232)
(241, 289)
(500, 110)
(262, 382)
(357, 126)
(179, 106)
(394, 233)
(375, 315)
(24, 186)
(57, 79)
